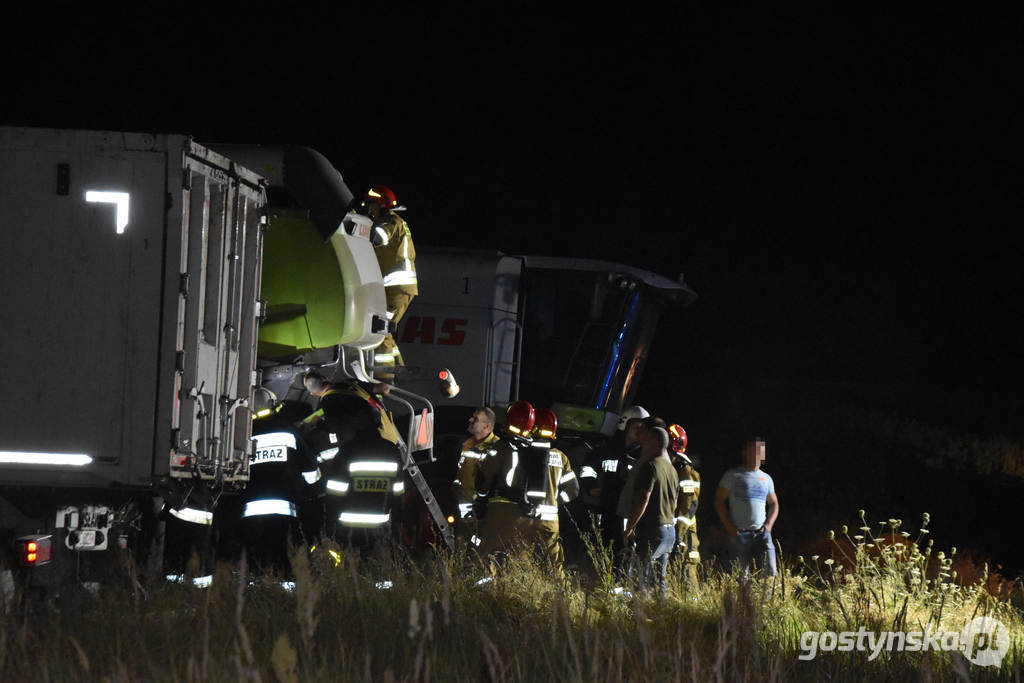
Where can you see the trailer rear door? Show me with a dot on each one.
(95, 283)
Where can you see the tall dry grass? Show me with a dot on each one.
(381, 616)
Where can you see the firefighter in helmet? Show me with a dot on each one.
(396, 256)
(500, 496)
(549, 482)
(687, 543)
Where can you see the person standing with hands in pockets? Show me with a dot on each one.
(748, 507)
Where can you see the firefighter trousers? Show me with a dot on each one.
(500, 529)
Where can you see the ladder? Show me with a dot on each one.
(420, 437)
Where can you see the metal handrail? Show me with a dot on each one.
(489, 362)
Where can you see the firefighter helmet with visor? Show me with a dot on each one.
(546, 424)
(631, 413)
(384, 198)
(677, 439)
(520, 418)
(263, 402)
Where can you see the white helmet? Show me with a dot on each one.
(630, 413)
(263, 402)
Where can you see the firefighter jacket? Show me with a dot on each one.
(686, 507)
(615, 461)
(396, 256)
(362, 485)
(533, 475)
(495, 480)
(473, 452)
(548, 479)
(283, 471)
(589, 475)
(351, 412)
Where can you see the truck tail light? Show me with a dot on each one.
(34, 551)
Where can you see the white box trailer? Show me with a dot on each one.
(129, 303)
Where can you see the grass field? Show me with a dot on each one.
(385, 617)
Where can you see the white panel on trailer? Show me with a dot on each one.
(88, 353)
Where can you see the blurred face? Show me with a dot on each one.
(650, 441)
(753, 454)
(633, 430)
(479, 427)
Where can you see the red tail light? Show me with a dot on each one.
(34, 551)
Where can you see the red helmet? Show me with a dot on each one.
(519, 418)
(677, 439)
(546, 424)
(383, 196)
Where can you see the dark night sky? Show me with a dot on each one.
(842, 190)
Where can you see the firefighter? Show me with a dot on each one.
(349, 409)
(500, 497)
(549, 482)
(278, 502)
(687, 543)
(358, 451)
(396, 256)
(604, 475)
(478, 446)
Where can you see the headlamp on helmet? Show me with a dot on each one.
(677, 439)
(264, 403)
(384, 198)
(546, 424)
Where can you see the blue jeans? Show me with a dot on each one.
(753, 549)
(654, 545)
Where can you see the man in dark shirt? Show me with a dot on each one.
(655, 490)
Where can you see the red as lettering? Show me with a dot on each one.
(421, 329)
(418, 328)
(454, 336)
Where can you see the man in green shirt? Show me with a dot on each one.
(655, 490)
